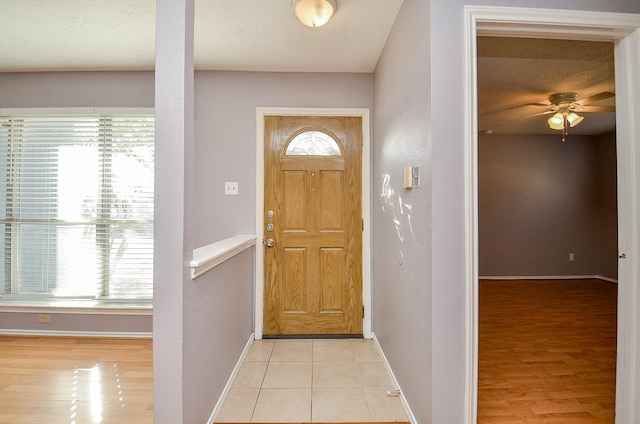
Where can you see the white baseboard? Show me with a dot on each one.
(54, 333)
(546, 277)
(405, 404)
(611, 280)
(227, 387)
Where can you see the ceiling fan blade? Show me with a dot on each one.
(547, 112)
(515, 108)
(539, 104)
(587, 109)
(596, 98)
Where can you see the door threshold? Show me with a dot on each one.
(332, 422)
(312, 336)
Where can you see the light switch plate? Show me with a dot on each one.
(411, 177)
(415, 176)
(231, 188)
(407, 180)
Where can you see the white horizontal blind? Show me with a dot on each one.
(76, 199)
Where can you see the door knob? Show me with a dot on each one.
(270, 242)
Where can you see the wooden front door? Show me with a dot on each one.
(313, 225)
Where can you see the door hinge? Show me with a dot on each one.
(362, 311)
(363, 225)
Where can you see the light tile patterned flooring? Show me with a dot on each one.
(316, 380)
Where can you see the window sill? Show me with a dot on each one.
(73, 306)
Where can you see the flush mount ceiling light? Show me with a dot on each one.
(314, 13)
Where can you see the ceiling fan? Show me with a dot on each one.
(564, 107)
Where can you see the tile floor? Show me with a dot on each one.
(316, 380)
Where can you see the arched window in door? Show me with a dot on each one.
(313, 143)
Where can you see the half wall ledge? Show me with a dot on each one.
(212, 255)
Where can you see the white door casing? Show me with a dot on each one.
(624, 30)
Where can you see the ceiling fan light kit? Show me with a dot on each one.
(565, 110)
(564, 107)
(563, 120)
(574, 119)
(556, 122)
(314, 13)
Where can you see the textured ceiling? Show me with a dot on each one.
(45, 35)
(515, 72)
(247, 35)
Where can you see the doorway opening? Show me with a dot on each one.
(623, 30)
(547, 224)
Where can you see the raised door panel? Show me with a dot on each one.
(332, 280)
(294, 280)
(331, 195)
(294, 199)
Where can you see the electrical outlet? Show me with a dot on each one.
(230, 188)
(44, 319)
(572, 257)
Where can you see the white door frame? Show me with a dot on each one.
(261, 112)
(624, 30)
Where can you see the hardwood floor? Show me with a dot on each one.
(547, 352)
(75, 380)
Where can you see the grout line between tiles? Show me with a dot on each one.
(255, 404)
(313, 376)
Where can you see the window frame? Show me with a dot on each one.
(40, 299)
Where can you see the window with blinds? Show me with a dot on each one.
(76, 206)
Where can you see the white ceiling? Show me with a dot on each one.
(247, 35)
(264, 35)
